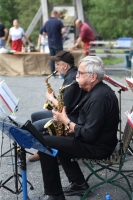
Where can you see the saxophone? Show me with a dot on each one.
(48, 105)
(54, 127)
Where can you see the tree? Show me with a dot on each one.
(112, 19)
(8, 12)
(26, 11)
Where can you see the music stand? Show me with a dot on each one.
(11, 103)
(122, 88)
(21, 121)
(25, 139)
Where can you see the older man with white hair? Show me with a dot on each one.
(94, 135)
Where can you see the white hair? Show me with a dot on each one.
(69, 66)
(93, 64)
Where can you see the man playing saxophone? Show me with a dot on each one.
(94, 134)
(64, 63)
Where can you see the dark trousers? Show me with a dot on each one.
(68, 147)
(54, 49)
(40, 118)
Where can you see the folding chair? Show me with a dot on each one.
(116, 159)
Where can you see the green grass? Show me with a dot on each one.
(112, 60)
(111, 51)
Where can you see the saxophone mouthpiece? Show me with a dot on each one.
(54, 72)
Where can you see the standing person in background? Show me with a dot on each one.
(86, 35)
(42, 40)
(15, 35)
(54, 28)
(3, 34)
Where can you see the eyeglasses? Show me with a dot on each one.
(81, 73)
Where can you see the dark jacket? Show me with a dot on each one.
(72, 95)
(2, 28)
(98, 120)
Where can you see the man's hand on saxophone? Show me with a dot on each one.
(62, 117)
(51, 98)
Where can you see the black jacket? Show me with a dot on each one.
(72, 95)
(98, 120)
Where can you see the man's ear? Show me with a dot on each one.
(66, 66)
(94, 77)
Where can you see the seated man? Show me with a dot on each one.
(94, 135)
(64, 63)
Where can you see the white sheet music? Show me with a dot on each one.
(2, 109)
(129, 118)
(8, 97)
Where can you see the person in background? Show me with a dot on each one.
(16, 34)
(42, 41)
(54, 28)
(86, 35)
(3, 34)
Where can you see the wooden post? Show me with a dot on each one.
(44, 4)
(33, 23)
(43, 11)
(80, 12)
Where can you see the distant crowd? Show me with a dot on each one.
(50, 35)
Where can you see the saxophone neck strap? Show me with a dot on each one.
(77, 106)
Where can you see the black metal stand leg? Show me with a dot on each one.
(120, 114)
(16, 168)
(120, 131)
(3, 155)
(16, 175)
(29, 152)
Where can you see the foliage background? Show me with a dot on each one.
(112, 19)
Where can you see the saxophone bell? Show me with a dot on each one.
(54, 129)
(51, 126)
(48, 105)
